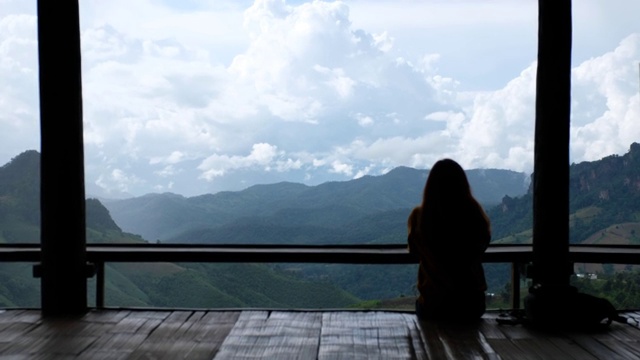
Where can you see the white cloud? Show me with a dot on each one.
(173, 158)
(606, 96)
(19, 122)
(117, 180)
(261, 155)
(362, 172)
(364, 120)
(338, 167)
(498, 121)
(177, 95)
(167, 171)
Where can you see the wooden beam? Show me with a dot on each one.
(62, 203)
(551, 152)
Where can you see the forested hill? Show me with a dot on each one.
(333, 207)
(603, 195)
(157, 285)
(20, 198)
(20, 206)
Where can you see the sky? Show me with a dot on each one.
(196, 97)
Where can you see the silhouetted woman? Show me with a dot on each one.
(449, 232)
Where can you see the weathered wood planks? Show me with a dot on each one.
(261, 334)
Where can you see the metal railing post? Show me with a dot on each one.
(515, 285)
(100, 284)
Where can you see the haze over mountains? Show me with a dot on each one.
(296, 213)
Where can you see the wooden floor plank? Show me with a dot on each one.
(464, 341)
(215, 327)
(532, 343)
(161, 338)
(369, 335)
(120, 344)
(417, 338)
(57, 337)
(572, 349)
(266, 334)
(507, 350)
(106, 316)
(250, 334)
(621, 348)
(595, 347)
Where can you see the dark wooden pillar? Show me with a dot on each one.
(550, 302)
(63, 240)
(551, 152)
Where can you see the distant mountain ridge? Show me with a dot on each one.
(169, 217)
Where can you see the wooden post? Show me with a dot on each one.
(62, 197)
(515, 285)
(551, 152)
(549, 298)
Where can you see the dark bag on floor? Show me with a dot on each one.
(564, 309)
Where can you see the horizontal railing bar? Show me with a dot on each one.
(604, 254)
(20, 252)
(100, 254)
(354, 254)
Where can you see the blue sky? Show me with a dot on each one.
(198, 96)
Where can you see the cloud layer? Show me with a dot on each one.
(206, 98)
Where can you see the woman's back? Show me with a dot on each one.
(449, 232)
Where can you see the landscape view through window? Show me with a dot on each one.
(315, 122)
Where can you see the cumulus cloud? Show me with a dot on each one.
(202, 98)
(19, 73)
(606, 96)
(117, 181)
(261, 155)
(498, 122)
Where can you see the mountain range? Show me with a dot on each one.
(371, 209)
(153, 285)
(604, 204)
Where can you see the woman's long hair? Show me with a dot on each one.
(447, 196)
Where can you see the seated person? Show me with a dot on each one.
(449, 232)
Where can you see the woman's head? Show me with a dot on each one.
(447, 182)
(447, 200)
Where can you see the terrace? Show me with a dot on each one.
(269, 334)
(67, 327)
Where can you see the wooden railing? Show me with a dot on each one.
(100, 254)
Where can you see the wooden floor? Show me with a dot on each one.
(157, 334)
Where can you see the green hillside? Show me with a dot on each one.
(603, 195)
(156, 285)
(218, 286)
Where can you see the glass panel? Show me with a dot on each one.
(618, 283)
(300, 121)
(604, 131)
(605, 83)
(258, 285)
(284, 285)
(18, 287)
(19, 148)
(19, 124)
(499, 289)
